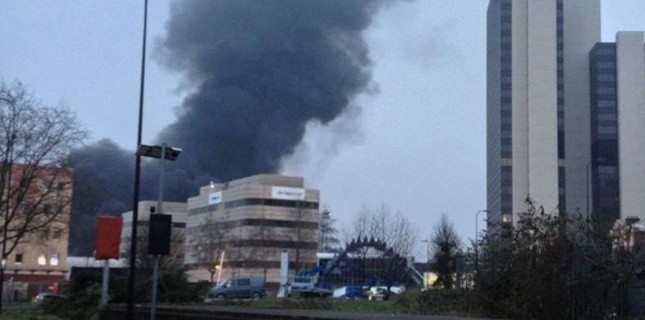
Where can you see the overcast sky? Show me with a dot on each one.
(416, 143)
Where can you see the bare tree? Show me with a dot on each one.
(394, 229)
(300, 212)
(263, 232)
(35, 182)
(327, 233)
(398, 233)
(208, 244)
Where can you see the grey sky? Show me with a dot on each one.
(416, 143)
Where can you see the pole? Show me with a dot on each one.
(106, 277)
(155, 276)
(219, 270)
(587, 186)
(1, 284)
(5, 226)
(137, 173)
(155, 270)
(476, 246)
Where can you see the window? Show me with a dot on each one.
(42, 260)
(49, 185)
(57, 234)
(53, 260)
(18, 258)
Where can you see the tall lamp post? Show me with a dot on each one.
(587, 187)
(164, 153)
(137, 173)
(476, 238)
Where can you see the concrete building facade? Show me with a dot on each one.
(38, 255)
(255, 219)
(538, 104)
(177, 238)
(618, 114)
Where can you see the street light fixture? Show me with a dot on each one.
(164, 153)
(631, 220)
(156, 151)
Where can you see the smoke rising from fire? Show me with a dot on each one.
(257, 72)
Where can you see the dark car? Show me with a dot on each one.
(43, 297)
(241, 288)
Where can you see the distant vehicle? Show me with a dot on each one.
(240, 288)
(44, 296)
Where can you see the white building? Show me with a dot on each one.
(574, 143)
(538, 114)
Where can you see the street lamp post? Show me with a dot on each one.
(164, 153)
(137, 173)
(587, 187)
(476, 246)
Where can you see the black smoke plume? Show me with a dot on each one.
(257, 72)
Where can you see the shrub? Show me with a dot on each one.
(435, 302)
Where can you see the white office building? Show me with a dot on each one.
(565, 112)
(538, 115)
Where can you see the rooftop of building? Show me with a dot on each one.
(177, 209)
(259, 179)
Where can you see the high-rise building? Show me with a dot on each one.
(538, 112)
(564, 112)
(617, 130)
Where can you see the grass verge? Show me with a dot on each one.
(27, 312)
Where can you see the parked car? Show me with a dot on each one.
(42, 297)
(241, 288)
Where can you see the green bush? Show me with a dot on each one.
(435, 302)
(80, 302)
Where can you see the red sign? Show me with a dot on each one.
(108, 237)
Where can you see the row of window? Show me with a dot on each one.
(256, 202)
(560, 79)
(42, 259)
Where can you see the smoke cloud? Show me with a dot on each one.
(258, 72)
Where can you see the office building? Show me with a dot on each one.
(538, 112)
(239, 228)
(617, 130)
